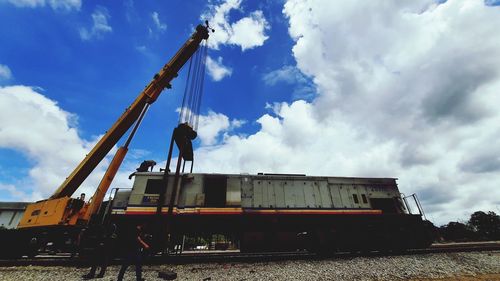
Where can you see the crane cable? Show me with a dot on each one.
(193, 91)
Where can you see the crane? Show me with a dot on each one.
(57, 210)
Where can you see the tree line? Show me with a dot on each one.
(481, 226)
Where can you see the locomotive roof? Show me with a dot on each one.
(263, 176)
(13, 205)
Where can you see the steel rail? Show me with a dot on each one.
(237, 257)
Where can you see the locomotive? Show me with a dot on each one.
(278, 212)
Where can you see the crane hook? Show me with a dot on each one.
(208, 26)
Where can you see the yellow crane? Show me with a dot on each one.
(59, 209)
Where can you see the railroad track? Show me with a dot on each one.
(237, 257)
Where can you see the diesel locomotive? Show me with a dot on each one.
(278, 212)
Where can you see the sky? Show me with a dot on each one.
(400, 89)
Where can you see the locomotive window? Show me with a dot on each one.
(153, 186)
(355, 197)
(387, 205)
(364, 198)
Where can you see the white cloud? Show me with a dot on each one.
(65, 5)
(288, 74)
(47, 135)
(159, 25)
(248, 32)
(142, 49)
(303, 87)
(212, 125)
(15, 192)
(100, 25)
(404, 90)
(217, 70)
(291, 141)
(5, 73)
(138, 153)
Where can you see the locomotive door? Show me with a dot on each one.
(325, 198)
(246, 192)
(215, 188)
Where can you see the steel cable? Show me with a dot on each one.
(193, 92)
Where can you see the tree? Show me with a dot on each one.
(486, 225)
(457, 231)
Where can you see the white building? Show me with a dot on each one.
(11, 213)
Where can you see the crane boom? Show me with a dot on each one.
(149, 95)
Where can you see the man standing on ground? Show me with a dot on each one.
(103, 248)
(135, 254)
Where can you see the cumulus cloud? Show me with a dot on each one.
(158, 24)
(291, 140)
(287, 74)
(404, 90)
(100, 25)
(483, 159)
(65, 5)
(212, 125)
(39, 129)
(15, 192)
(411, 74)
(303, 87)
(5, 73)
(217, 70)
(248, 32)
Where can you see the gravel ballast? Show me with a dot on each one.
(471, 266)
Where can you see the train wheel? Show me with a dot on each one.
(320, 243)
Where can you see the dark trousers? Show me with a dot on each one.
(103, 264)
(134, 257)
(100, 259)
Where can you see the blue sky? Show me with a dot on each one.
(96, 78)
(335, 88)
